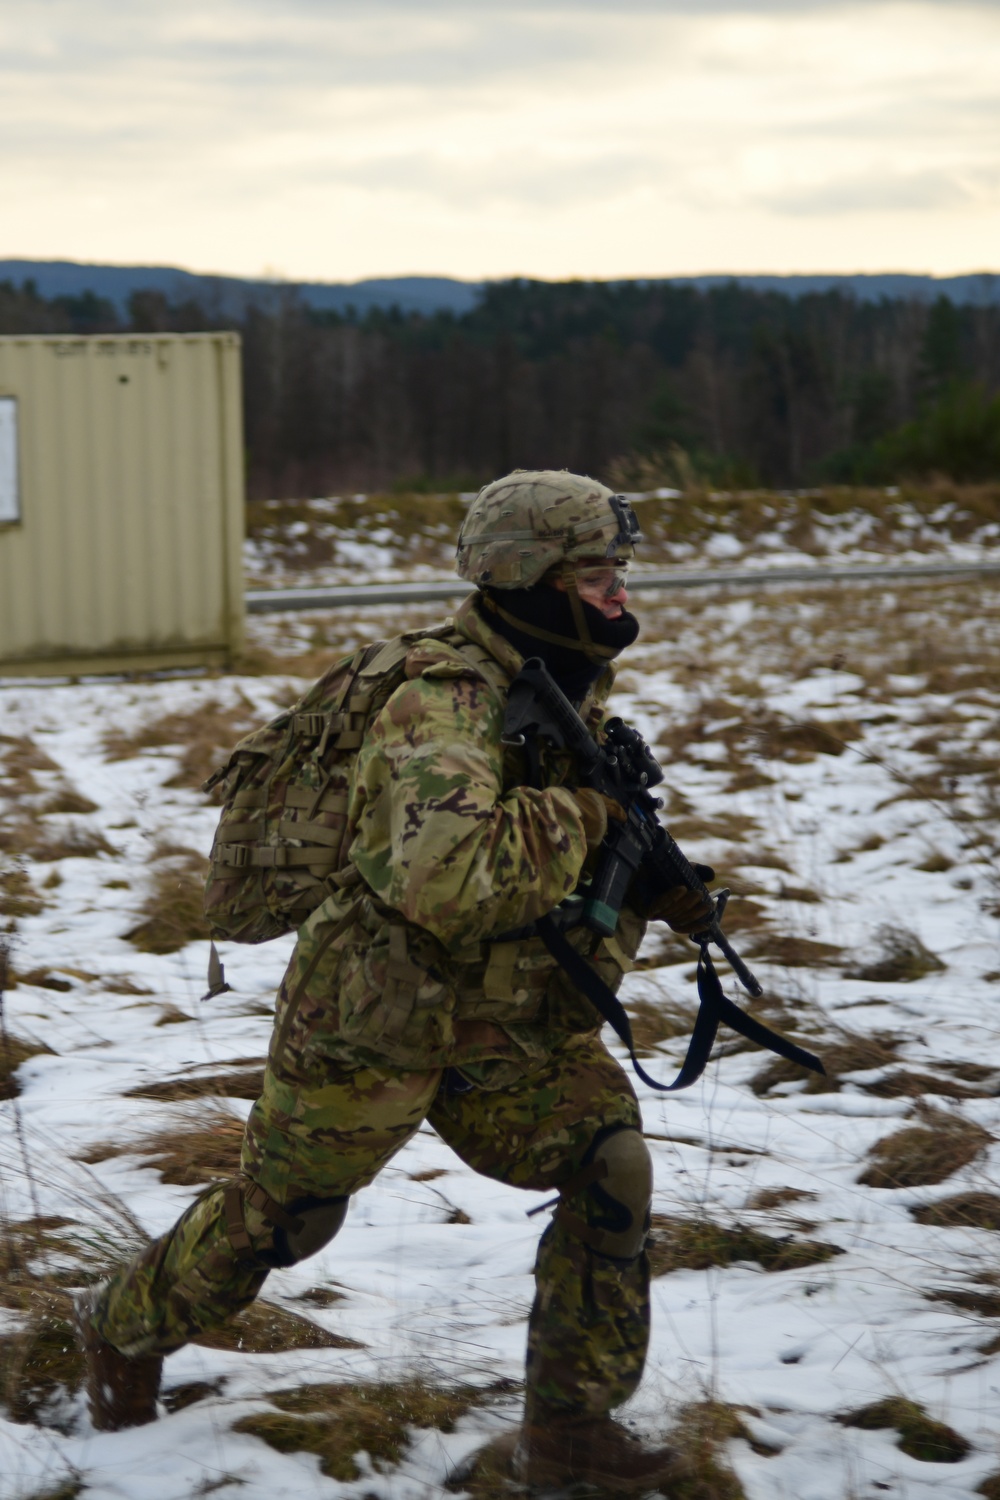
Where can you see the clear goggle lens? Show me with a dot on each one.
(609, 579)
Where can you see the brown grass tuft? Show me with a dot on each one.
(264, 1328)
(336, 1422)
(982, 1301)
(24, 1243)
(205, 734)
(41, 1365)
(28, 838)
(936, 863)
(18, 897)
(902, 959)
(849, 1054)
(804, 740)
(961, 1211)
(68, 800)
(13, 1052)
(20, 758)
(790, 951)
(701, 1431)
(173, 911)
(242, 1083)
(904, 1084)
(920, 1436)
(766, 1199)
(920, 1155)
(194, 1153)
(695, 1244)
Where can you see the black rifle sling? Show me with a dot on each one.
(713, 1008)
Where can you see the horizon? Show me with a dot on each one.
(392, 276)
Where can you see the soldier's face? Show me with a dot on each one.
(602, 585)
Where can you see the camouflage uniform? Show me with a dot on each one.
(398, 977)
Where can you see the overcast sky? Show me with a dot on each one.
(327, 140)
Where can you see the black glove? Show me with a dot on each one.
(684, 911)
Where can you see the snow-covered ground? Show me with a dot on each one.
(328, 542)
(882, 820)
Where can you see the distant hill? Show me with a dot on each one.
(230, 295)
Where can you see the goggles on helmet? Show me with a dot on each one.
(610, 578)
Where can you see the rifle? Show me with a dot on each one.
(638, 849)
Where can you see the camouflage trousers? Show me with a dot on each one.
(589, 1324)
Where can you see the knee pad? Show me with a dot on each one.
(617, 1174)
(316, 1222)
(297, 1230)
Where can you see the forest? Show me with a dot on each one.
(646, 384)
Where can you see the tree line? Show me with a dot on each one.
(644, 383)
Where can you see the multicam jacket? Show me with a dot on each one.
(406, 964)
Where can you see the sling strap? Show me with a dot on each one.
(714, 1007)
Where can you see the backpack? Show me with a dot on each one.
(279, 845)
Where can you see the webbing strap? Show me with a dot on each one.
(313, 833)
(305, 796)
(236, 1229)
(238, 856)
(714, 1007)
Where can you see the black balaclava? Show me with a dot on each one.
(544, 608)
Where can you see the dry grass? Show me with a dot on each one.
(901, 959)
(936, 863)
(701, 1430)
(205, 736)
(696, 1244)
(41, 1366)
(264, 1328)
(25, 1245)
(20, 758)
(237, 1083)
(68, 800)
(28, 838)
(197, 1151)
(803, 740)
(337, 1422)
(905, 1084)
(766, 1199)
(983, 1301)
(790, 951)
(654, 1024)
(920, 1436)
(173, 912)
(849, 1053)
(920, 1155)
(18, 897)
(961, 1211)
(13, 1052)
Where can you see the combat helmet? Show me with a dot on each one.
(522, 526)
(538, 522)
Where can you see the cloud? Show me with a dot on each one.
(320, 135)
(876, 193)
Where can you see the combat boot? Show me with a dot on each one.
(121, 1392)
(596, 1454)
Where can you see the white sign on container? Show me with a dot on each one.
(10, 499)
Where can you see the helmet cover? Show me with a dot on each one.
(519, 527)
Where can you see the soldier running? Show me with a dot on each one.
(403, 1003)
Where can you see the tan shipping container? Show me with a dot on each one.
(121, 502)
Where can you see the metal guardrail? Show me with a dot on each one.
(280, 601)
